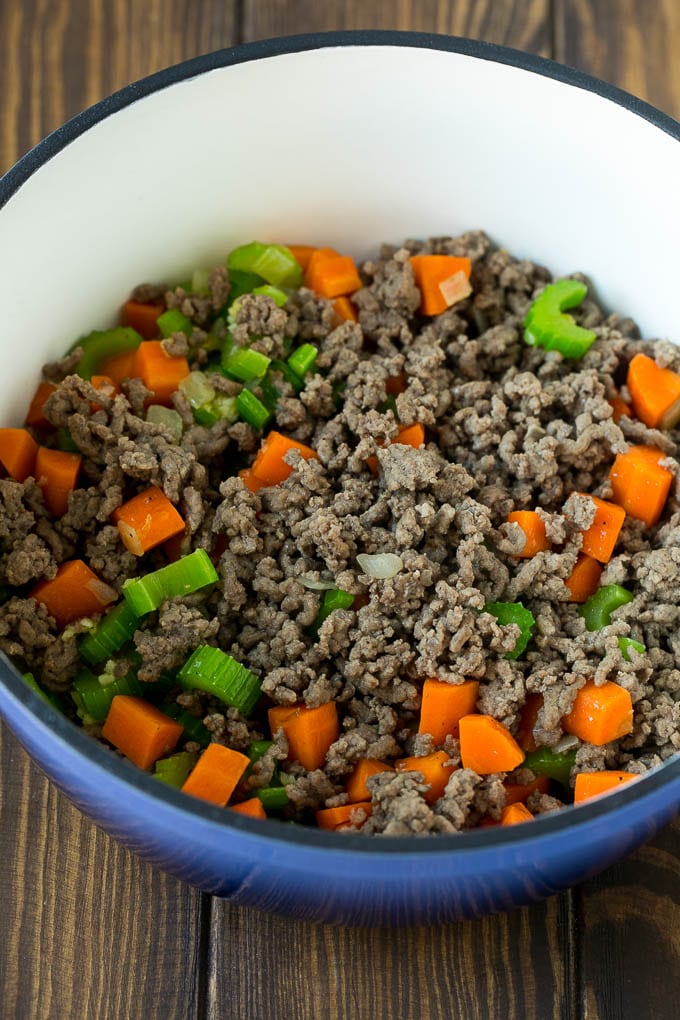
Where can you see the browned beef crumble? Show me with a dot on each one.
(507, 427)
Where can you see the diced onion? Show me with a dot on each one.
(380, 565)
(566, 743)
(307, 582)
(455, 287)
(197, 389)
(166, 416)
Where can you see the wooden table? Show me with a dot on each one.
(90, 932)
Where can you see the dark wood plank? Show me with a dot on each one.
(632, 43)
(516, 966)
(89, 930)
(62, 56)
(521, 23)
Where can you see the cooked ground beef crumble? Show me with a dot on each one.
(508, 427)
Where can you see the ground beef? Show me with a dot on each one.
(506, 427)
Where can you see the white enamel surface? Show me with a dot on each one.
(347, 146)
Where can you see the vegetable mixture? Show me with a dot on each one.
(390, 548)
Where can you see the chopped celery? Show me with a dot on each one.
(302, 359)
(175, 769)
(555, 765)
(50, 697)
(65, 441)
(186, 575)
(548, 326)
(288, 374)
(213, 671)
(333, 598)
(93, 698)
(597, 610)
(273, 798)
(242, 283)
(174, 321)
(244, 364)
(257, 749)
(200, 282)
(278, 296)
(252, 410)
(195, 729)
(103, 344)
(273, 262)
(628, 642)
(113, 631)
(168, 417)
(513, 612)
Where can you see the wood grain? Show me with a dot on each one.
(632, 43)
(89, 930)
(524, 24)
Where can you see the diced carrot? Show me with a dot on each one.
(160, 372)
(309, 731)
(269, 467)
(140, 730)
(600, 538)
(487, 746)
(74, 592)
(36, 414)
(395, 384)
(600, 713)
(584, 579)
(639, 484)
(433, 271)
(533, 703)
(435, 768)
(18, 450)
(515, 814)
(518, 793)
(408, 435)
(534, 531)
(620, 409)
(344, 311)
(302, 253)
(250, 480)
(444, 705)
(654, 392)
(56, 472)
(252, 807)
(317, 256)
(334, 276)
(333, 818)
(142, 316)
(356, 784)
(592, 784)
(119, 366)
(146, 520)
(216, 774)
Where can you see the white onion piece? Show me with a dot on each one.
(566, 743)
(455, 287)
(380, 565)
(307, 582)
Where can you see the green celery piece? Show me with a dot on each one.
(390, 404)
(555, 765)
(50, 697)
(333, 598)
(252, 410)
(273, 798)
(548, 326)
(244, 364)
(257, 749)
(628, 642)
(113, 631)
(195, 729)
(175, 769)
(65, 441)
(597, 610)
(174, 321)
(103, 344)
(277, 295)
(302, 359)
(186, 575)
(288, 374)
(200, 282)
(513, 612)
(275, 263)
(241, 283)
(213, 671)
(270, 394)
(205, 416)
(93, 699)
